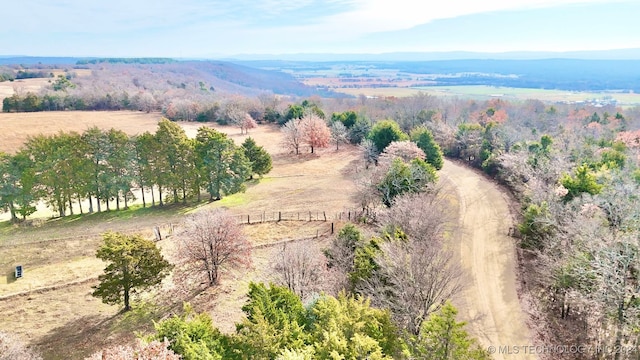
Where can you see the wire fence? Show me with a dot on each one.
(164, 230)
(276, 216)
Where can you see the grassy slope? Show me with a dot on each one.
(66, 322)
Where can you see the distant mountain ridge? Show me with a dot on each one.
(578, 71)
(613, 54)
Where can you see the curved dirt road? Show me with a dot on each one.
(489, 302)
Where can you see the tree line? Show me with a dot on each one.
(106, 167)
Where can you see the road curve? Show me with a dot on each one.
(489, 301)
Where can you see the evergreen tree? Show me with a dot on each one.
(385, 132)
(424, 139)
(224, 166)
(193, 336)
(275, 321)
(97, 145)
(133, 263)
(120, 164)
(258, 156)
(350, 328)
(404, 178)
(442, 338)
(583, 182)
(173, 165)
(17, 185)
(144, 146)
(359, 130)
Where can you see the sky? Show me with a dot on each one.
(224, 28)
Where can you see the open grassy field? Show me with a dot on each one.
(482, 92)
(51, 307)
(8, 88)
(17, 127)
(23, 86)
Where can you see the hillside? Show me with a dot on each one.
(550, 73)
(217, 76)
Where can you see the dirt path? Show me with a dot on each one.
(489, 303)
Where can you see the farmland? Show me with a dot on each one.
(483, 92)
(56, 307)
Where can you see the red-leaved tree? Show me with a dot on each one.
(315, 131)
(247, 123)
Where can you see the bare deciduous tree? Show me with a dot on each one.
(423, 216)
(405, 150)
(301, 268)
(414, 279)
(369, 152)
(212, 240)
(339, 134)
(144, 101)
(415, 276)
(292, 131)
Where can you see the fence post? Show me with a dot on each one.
(349, 215)
(279, 215)
(248, 221)
(309, 215)
(331, 228)
(325, 215)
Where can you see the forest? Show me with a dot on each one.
(573, 172)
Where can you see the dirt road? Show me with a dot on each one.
(489, 303)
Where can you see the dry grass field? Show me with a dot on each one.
(8, 88)
(23, 86)
(17, 127)
(51, 307)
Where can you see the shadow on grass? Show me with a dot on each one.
(86, 335)
(77, 339)
(11, 276)
(67, 223)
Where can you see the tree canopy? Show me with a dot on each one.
(384, 132)
(133, 264)
(260, 159)
(425, 141)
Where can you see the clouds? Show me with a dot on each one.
(194, 28)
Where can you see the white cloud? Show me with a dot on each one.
(195, 27)
(384, 15)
